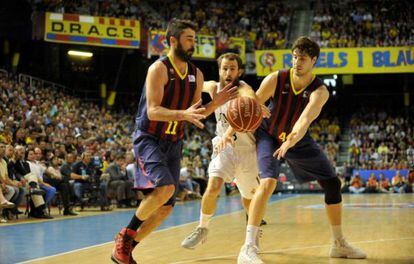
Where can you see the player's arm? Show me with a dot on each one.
(267, 88)
(208, 87)
(156, 79)
(218, 98)
(317, 100)
(247, 91)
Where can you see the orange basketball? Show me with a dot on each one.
(244, 114)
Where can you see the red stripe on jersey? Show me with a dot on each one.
(279, 102)
(282, 123)
(173, 104)
(70, 17)
(185, 105)
(295, 115)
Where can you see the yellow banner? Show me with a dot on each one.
(343, 60)
(240, 45)
(204, 49)
(92, 30)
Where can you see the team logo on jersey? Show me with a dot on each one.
(285, 89)
(191, 78)
(172, 74)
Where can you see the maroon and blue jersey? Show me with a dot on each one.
(178, 95)
(287, 105)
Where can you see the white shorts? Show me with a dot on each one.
(238, 164)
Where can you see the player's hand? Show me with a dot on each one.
(193, 114)
(221, 145)
(228, 93)
(281, 151)
(265, 111)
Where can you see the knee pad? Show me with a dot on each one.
(332, 189)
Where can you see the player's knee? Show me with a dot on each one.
(267, 186)
(214, 186)
(332, 189)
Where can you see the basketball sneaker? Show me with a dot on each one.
(121, 253)
(199, 235)
(249, 255)
(341, 249)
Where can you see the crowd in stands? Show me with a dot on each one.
(52, 143)
(381, 141)
(363, 23)
(326, 132)
(256, 20)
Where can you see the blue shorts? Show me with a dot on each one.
(306, 159)
(158, 163)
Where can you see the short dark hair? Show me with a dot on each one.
(230, 56)
(307, 46)
(177, 26)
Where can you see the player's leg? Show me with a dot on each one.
(307, 162)
(269, 168)
(220, 168)
(154, 221)
(155, 169)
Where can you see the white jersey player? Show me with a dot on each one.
(237, 161)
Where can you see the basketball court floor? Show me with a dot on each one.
(297, 232)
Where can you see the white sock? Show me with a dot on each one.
(251, 234)
(337, 232)
(204, 219)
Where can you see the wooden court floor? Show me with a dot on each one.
(298, 232)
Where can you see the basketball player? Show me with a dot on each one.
(172, 95)
(296, 99)
(237, 161)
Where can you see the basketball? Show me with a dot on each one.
(244, 114)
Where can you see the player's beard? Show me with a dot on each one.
(182, 54)
(224, 82)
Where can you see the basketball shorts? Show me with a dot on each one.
(306, 159)
(238, 164)
(158, 162)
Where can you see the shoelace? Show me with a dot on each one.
(196, 232)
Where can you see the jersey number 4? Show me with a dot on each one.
(282, 136)
(172, 128)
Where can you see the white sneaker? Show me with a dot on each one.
(248, 255)
(199, 235)
(341, 249)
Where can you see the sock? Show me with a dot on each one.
(251, 234)
(337, 232)
(135, 223)
(204, 219)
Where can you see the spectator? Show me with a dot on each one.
(118, 182)
(357, 185)
(372, 184)
(384, 184)
(398, 183)
(56, 179)
(19, 191)
(38, 169)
